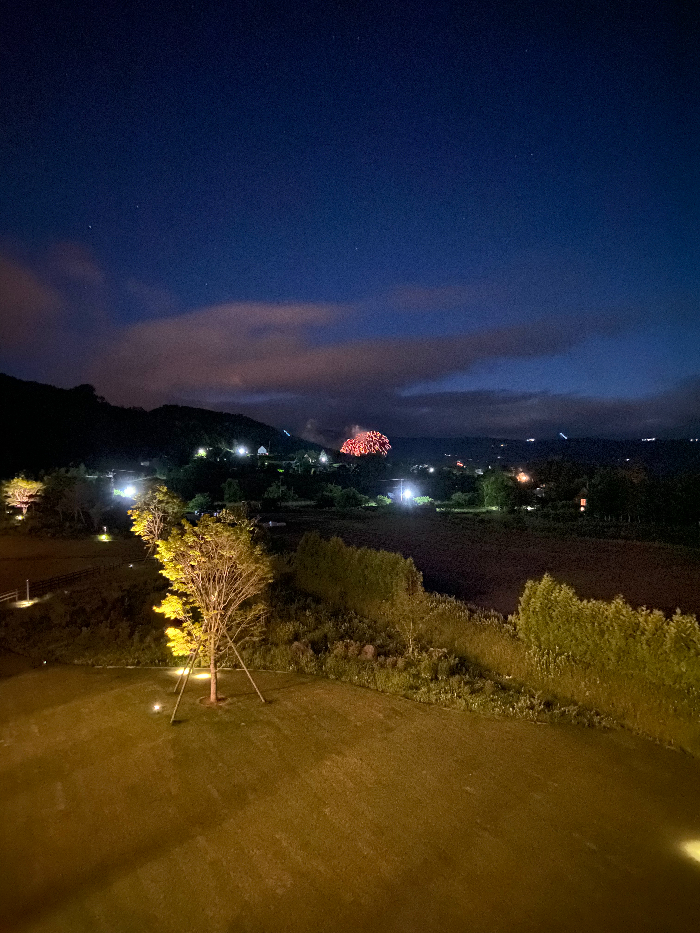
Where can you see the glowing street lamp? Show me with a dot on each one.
(241, 451)
(407, 494)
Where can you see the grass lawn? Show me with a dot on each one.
(330, 808)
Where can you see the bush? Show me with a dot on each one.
(355, 578)
(610, 635)
(328, 495)
(462, 500)
(350, 499)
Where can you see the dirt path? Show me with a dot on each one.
(489, 566)
(330, 808)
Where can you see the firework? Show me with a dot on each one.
(368, 442)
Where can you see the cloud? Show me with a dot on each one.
(254, 347)
(28, 306)
(75, 263)
(496, 414)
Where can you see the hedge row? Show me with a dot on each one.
(610, 635)
(360, 579)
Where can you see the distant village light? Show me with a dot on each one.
(242, 451)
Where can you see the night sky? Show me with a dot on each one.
(424, 218)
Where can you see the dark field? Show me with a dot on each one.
(27, 557)
(488, 565)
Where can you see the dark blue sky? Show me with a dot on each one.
(420, 217)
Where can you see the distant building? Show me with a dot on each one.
(262, 452)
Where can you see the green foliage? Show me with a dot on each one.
(423, 500)
(155, 515)
(217, 574)
(383, 500)
(350, 499)
(328, 495)
(279, 493)
(355, 578)
(462, 500)
(231, 489)
(610, 635)
(200, 503)
(499, 491)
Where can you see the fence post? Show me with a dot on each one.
(27, 590)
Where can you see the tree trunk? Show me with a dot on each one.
(213, 696)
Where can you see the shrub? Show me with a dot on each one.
(356, 578)
(350, 499)
(610, 635)
(462, 500)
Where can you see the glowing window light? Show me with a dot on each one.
(522, 477)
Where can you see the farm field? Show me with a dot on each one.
(329, 808)
(34, 558)
(488, 565)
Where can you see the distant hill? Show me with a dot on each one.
(45, 427)
(662, 457)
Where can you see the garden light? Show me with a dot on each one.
(692, 848)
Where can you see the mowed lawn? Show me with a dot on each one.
(330, 808)
(33, 558)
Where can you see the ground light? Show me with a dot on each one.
(692, 848)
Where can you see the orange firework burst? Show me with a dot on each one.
(368, 442)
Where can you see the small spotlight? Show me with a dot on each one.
(692, 848)
(156, 707)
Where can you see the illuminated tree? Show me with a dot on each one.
(217, 574)
(20, 493)
(156, 513)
